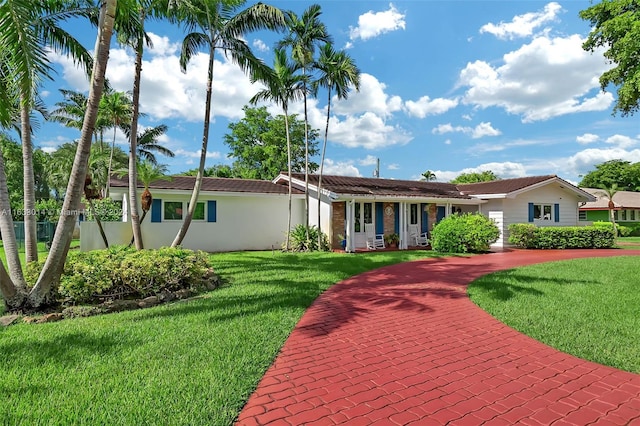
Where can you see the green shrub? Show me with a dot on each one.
(464, 233)
(123, 272)
(529, 236)
(624, 231)
(106, 209)
(298, 239)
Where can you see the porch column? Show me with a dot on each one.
(125, 207)
(350, 227)
(404, 244)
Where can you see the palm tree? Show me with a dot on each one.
(428, 175)
(283, 86)
(338, 72)
(609, 191)
(212, 25)
(41, 292)
(27, 28)
(117, 107)
(147, 145)
(304, 34)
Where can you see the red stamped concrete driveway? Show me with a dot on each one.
(405, 345)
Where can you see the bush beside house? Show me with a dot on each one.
(526, 235)
(464, 233)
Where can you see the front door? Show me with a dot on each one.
(363, 213)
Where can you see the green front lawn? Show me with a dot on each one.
(585, 307)
(192, 362)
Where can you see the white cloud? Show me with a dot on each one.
(426, 106)
(372, 24)
(260, 45)
(371, 97)
(481, 130)
(366, 131)
(503, 170)
(340, 168)
(195, 154)
(523, 25)
(162, 46)
(585, 161)
(546, 78)
(621, 141)
(587, 138)
(393, 166)
(369, 160)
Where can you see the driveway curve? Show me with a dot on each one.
(405, 345)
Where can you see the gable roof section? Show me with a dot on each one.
(348, 185)
(621, 200)
(512, 187)
(185, 183)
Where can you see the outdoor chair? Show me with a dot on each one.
(420, 239)
(374, 241)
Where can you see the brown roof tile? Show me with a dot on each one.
(211, 184)
(621, 200)
(384, 187)
(502, 186)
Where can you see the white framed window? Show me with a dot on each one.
(542, 211)
(199, 212)
(363, 214)
(172, 210)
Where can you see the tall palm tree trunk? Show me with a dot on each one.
(13, 288)
(30, 229)
(113, 147)
(52, 269)
(324, 150)
(306, 159)
(182, 232)
(286, 125)
(133, 148)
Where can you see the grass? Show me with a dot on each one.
(192, 362)
(585, 307)
(629, 243)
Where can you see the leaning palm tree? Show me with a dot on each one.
(27, 29)
(13, 294)
(147, 145)
(609, 191)
(338, 72)
(283, 86)
(216, 25)
(304, 34)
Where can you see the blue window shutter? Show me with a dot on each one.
(425, 218)
(556, 212)
(530, 212)
(212, 214)
(156, 210)
(379, 219)
(396, 218)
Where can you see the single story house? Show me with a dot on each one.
(231, 214)
(347, 203)
(627, 207)
(237, 214)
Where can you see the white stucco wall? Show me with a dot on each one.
(247, 222)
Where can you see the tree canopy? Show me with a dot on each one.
(475, 177)
(616, 27)
(257, 145)
(623, 174)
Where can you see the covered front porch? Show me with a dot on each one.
(390, 216)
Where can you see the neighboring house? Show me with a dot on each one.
(232, 214)
(347, 203)
(627, 207)
(236, 214)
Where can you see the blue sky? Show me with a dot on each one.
(448, 86)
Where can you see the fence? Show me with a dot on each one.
(44, 232)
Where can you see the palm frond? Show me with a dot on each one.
(191, 46)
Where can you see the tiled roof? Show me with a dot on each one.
(502, 186)
(384, 187)
(621, 199)
(211, 184)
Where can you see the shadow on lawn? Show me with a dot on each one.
(500, 285)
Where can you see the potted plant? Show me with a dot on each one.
(392, 239)
(343, 241)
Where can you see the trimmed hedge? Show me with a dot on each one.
(525, 235)
(464, 233)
